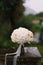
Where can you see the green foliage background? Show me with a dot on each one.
(10, 12)
(21, 21)
(6, 28)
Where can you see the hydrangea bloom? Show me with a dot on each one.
(21, 35)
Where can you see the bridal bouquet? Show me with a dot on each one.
(22, 35)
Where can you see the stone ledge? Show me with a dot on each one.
(22, 60)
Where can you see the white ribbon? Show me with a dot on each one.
(16, 54)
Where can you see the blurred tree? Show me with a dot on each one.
(10, 13)
(40, 14)
(26, 21)
(13, 9)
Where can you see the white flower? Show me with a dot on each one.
(21, 35)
